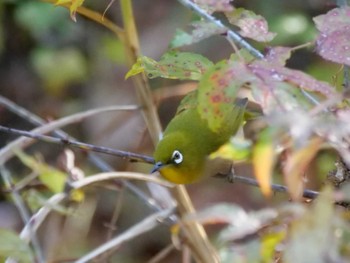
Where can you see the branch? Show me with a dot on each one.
(83, 146)
(118, 175)
(232, 35)
(232, 178)
(235, 37)
(97, 161)
(7, 152)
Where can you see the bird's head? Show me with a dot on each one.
(177, 160)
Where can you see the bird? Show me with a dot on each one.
(182, 155)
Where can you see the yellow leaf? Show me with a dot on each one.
(296, 166)
(74, 5)
(263, 161)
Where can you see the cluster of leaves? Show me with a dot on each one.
(279, 90)
(292, 233)
(295, 130)
(303, 115)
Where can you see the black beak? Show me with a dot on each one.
(156, 167)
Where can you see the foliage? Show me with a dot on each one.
(300, 118)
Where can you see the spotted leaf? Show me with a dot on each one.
(172, 65)
(217, 91)
(333, 41)
(251, 25)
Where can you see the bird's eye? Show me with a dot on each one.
(177, 157)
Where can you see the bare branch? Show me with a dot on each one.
(7, 152)
(80, 145)
(118, 175)
(275, 187)
(97, 161)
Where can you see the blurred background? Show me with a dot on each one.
(54, 67)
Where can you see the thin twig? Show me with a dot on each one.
(160, 256)
(118, 175)
(80, 145)
(7, 152)
(116, 214)
(38, 218)
(23, 211)
(97, 161)
(142, 227)
(275, 187)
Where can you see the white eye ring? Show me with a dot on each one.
(177, 157)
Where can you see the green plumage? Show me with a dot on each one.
(189, 134)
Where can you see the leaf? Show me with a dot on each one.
(217, 214)
(247, 252)
(280, 96)
(246, 224)
(270, 73)
(59, 69)
(211, 6)
(217, 91)
(240, 223)
(52, 178)
(333, 42)
(263, 159)
(278, 55)
(202, 30)
(12, 246)
(172, 65)
(252, 25)
(35, 200)
(296, 166)
(238, 149)
(74, 4)
(312, 238)
(269, 243)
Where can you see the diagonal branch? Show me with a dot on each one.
(232, 35)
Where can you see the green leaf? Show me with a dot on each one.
(202, 30)
(268, 245)
(172, 65)
(237, 149)
(12, 246)
(35, 200)
(59, 68)
(53, 179)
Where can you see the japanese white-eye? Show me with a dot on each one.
(182, 155)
